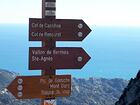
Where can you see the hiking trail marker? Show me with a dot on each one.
(28, 87)
(49, 58)
(57, 58)
(58, 29)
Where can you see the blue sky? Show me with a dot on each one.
(93, 12)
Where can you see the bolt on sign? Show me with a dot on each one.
(57, 29)
(57, 58)
(29, 87)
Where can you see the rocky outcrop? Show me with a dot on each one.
(94, 91)
(131, 94)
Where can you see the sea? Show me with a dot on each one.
(114, 51)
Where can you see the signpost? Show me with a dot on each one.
(58, 29)
(48, 58)
(28, 87)
(57, 58)
(48, 12)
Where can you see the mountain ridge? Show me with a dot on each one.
(92, 91)
(131, 94)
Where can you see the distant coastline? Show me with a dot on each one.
(114, 51)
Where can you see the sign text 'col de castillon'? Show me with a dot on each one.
(57, 29)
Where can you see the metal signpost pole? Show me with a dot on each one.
(48, 11)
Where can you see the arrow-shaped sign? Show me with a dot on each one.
(29, 87)
(57, 58)
(57, 29)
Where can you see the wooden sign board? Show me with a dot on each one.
(57, 58)
(57, 29)
(29, 87)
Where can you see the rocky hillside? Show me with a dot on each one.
(6, 77)
(94, 92)
(84, 92)
(131, 94)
